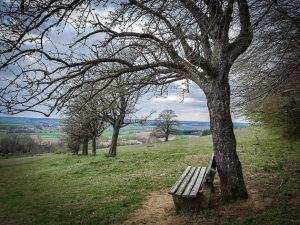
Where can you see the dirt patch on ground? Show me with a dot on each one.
(158, 208)
(240, 209)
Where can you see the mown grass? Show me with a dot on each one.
(66, 189)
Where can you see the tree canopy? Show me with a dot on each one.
(82, 124)
(267, 76)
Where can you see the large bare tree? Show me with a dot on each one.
(174, 40)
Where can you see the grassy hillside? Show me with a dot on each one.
(66, 189)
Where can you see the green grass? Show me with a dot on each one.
(66, 189)
(181, 137)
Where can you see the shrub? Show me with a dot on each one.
(58, 151)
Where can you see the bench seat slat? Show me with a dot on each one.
(190, 185)
(179, 181)
(185, 182)
(198, 183)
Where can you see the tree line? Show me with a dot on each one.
(89, 113)
(14, 144)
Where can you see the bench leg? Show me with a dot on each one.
(202, 199)
(188, 203)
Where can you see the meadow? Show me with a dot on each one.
(66, 189)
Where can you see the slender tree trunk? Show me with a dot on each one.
(167, 134)
(114, 142)
(75, 151)
(85, 150)
(94, 146)
(167, 137)
(224, 142)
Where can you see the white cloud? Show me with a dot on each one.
(192, 108)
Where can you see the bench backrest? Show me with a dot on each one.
(211, 166)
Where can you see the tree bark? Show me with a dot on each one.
(75, 151)
(85, 150)
(167, 137)
(224, 142)
(94, 146)
(114, 142)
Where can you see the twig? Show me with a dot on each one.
(282, 182)
(260, 145)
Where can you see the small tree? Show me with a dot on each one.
(82, 125)
(73, 143)
(164, 125)
(121, 110)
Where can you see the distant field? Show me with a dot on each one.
(46, 135)
(14, 125)
(47, 128)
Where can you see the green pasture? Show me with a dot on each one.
(109, 134)
(183, 128)
(66, 189)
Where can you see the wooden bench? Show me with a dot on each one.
(193, 188)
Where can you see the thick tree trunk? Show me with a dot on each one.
(94, 146)
(224, 142)
(85, 144)
(114, 142)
